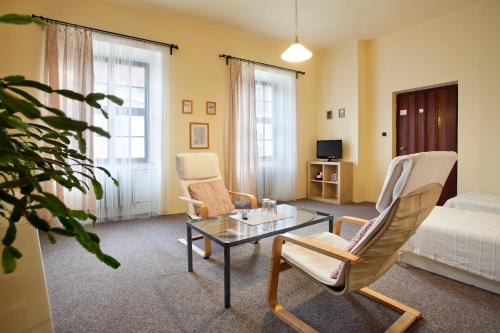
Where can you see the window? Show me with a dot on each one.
(129, 81)
(276, 133)
(264, 113)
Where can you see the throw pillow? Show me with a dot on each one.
(355, 240)
(214, 194)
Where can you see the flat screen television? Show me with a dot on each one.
(329, 149)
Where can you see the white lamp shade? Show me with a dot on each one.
(296, 53)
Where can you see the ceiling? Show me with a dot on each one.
(322, 23)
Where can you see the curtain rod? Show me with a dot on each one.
(228, 57)
(171, 46)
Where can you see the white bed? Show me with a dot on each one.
(460, 244)
(480, 202)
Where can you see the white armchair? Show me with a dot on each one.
(411, 190)
(195, 168)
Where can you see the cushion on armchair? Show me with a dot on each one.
(354, 241)
(214, 194)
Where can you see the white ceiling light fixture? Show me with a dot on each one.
(296, 52)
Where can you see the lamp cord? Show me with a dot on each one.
(296, 21)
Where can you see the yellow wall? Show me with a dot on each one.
(344, 84)
(489, 60)
(195, 73)
(440, 51)
(461, 47)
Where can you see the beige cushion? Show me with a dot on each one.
(214, 194)
(316, 264)
(197, 166)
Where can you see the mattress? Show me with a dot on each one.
(481, 202)
(464, 239)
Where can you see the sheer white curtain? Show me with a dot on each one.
(136, 72)
(276, 133)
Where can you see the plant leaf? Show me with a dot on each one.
(82, 144)
(78, 214)
(37, 222)
(13, 78)
(26, 95)
(17, 123)
(8, 261)
(15, 19)
(9, 256)
(115, 99)
(93, 104)
(70, 94)
(109, 260)
(15, 252)
(19, 105)
(65, 123)
(62, 232)
(32, 84)
(10, 235)
(21, 19)
(94, 97)
(52, 203)
(104, 170)
(99, 131)
(51, 238)
(97, 189)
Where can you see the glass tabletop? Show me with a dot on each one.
(228, 231)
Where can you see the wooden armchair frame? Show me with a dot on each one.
(204, 214)
(279, 264)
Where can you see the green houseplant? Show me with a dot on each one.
(35, 147)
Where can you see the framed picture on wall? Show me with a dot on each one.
(198, 136)
(211, 108)
(187, 106)
(342, 113)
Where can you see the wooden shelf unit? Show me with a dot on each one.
(326, 190)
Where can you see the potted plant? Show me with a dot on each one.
(36, 146)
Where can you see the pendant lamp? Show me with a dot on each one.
(296, 52)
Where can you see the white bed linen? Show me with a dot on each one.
(463, 239)
(480, 202)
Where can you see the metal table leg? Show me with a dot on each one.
(189, 248)
(330, 223)
(227, 282)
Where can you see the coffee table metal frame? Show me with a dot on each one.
(192, 225)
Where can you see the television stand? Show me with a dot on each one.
(325, 189)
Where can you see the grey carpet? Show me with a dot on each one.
(153, 292)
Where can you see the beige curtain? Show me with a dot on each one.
(240, 130)
(69, 65)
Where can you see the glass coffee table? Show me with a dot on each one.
(228, 232)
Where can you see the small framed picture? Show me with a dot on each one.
(187, 106)
(198, 136)
(211, 108)
(329, 114)
(342, 113)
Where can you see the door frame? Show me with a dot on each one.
(395, 119)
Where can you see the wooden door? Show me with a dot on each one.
(427, 120)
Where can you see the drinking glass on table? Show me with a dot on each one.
(265, 207)
(272, 207)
